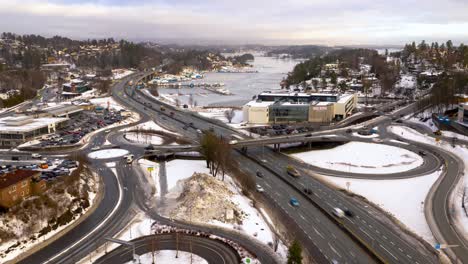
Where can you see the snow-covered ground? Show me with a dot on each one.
(150, 125)
(253, 224)
(107, 153)
(462, 152)
(403, 198)
(177, 170)
(144, 138)
(169, 256)
(24, 241)
(118, 74)
(151, 169)
(106, 102)
(454, 135)
(358, 157)
(218, 113)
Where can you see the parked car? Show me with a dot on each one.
(422, 153)
(308, 191)
(36, 156)
(293, 202)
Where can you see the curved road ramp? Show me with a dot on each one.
(214, 251)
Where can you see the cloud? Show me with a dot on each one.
(243, 21)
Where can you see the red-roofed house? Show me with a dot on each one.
(18, 185)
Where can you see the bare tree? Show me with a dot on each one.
(229, 114)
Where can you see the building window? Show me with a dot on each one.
(25, 183)
(13, 188)
(22, 193)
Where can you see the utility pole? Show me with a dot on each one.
(177, 244)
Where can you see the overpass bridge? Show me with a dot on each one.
(244, 144)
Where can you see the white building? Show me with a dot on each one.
(16, 130)
(256, 112)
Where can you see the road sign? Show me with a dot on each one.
(150, 169)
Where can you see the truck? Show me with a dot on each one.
(292, 171)
(338, 212)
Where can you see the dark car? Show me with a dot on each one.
(348, 213)
(260, 174)
(349, 130)
(422, 153)
(149, 147)
(308, 191)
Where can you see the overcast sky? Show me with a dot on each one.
(331, 22)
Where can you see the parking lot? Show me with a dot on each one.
(80, 125)
(50, 169)
(277, 130)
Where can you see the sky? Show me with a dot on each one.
(326, 22)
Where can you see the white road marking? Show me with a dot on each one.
(388, 252)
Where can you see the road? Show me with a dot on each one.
(314, 213)
(213, 251)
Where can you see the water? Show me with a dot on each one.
(243, 85)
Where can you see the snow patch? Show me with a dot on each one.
(359, 157)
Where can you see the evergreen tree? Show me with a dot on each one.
(295, 253)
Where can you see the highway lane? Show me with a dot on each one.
(384, 244)
(213, 251)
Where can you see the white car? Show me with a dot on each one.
(94, 148)
(36, 156)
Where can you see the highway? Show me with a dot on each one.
(375, 235)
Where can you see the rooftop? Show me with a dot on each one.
(59, 110)
(14, 177)
(345, 97)
(26, 123)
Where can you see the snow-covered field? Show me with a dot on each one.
(150, 125)
(218, 113)
(108, 153)
(403, 198)
(358, 157)
(462, 152)
(169, 256)
(144, 138)
(106, 102)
